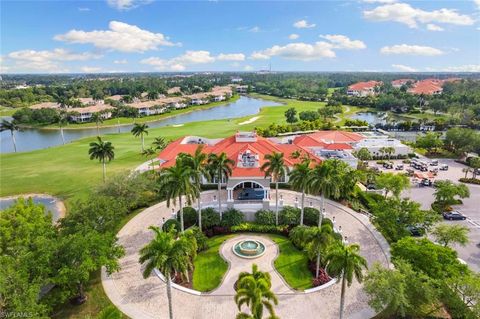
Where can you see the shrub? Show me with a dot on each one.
(322, 278)
(454, 304)
(265, 217)
(210, 218)
(289, 216)
(257, 228)
(310, 216)
(232, 217)
(202, 241)
(470, 180)
(189, 216)
(171, 223)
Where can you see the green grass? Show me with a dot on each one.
(7, 111)
(292, 264)
(210, 267)
(67, 172)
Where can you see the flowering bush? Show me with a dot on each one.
(322, 278)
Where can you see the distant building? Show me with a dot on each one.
(427, 87)
(84, 114)
(401, 82)
(363, 89)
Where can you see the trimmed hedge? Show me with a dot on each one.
(265, 217)
(202, 240)
(289, 216)
(256, 228)
(232, 217)
(470, 180)
(210, 218)
(190, 216)
(171, 223)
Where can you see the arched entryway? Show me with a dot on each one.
(248, 190)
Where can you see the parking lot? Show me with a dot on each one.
(470, 207)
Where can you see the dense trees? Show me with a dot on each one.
(392, 183)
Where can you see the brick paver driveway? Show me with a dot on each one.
(146, 298)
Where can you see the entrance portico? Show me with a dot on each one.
(252, 184)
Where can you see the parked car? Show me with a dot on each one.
(423, 168)
(410, 172)
(388, 165)
(444, 167)
(415, 231)
(399, 167)
(426, 182)
(434, 163)
(453, 215)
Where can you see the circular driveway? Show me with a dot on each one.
(146, 298)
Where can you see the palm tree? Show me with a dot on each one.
(62, 120)
(318, 241)
(150, 153)
(253, 289)
(169, 255)
(324, 181)
(274, 166)
(219, 166)
(140, 130)
(175, 182)
(466, 170)
(97, 118)
(345, 263)
(198, 166)
(159, 143)
(103, 151)
(300, 181)
(12, 127)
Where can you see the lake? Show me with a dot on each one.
(34, 139)
(51, 204)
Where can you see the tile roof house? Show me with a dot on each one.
(427, 87)
(363, 88)
(401, 82)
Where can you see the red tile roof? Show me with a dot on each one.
(336, 136)
(360, 86)
(429, 87)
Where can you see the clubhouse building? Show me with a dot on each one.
(248, 183)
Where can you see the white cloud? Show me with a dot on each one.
(379, 1)
(181, 62)
(297, 51)
(462, 68)
(248, 68)
(45, 61)
(411, 50)
(90, 69)
(410, 16)
(293, 36)
(404, 68)
(84, 9)
(434, 27)
(477, 2)
(231, 57)
(124, 61)
(342, 42)
(255, 29)
(121, 37)
(127, 4)
(303, 24)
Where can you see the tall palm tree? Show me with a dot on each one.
(103, 151)
(62, 120)
(97, 118)
(219, 166)
(140, 130)
(253, 289)
(300, 181)
(274, 166)
(198, 165)
(169, 255)
(150, 153)
(12, 127)
(318, 241)
(345, 263)
(325, 180)
(175, 182)
(159, 143)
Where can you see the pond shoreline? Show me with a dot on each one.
(59, 204)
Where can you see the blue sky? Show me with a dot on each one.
(142, 35)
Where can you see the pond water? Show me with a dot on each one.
(370, 117)
(33, 139)
(50, 203)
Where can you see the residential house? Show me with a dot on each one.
(363, 89)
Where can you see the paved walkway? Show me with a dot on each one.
(141, 298)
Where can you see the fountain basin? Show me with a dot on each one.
(249, 248)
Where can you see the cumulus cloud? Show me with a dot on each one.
(181, 62)
(46, 61)
(342, 42)
(90, 69)
(231, 57)
(124, 61)
(410, 16)
(293, 36)
(127, 4)
(120, 36)
(434, 27)
(406, 49)
(307, 52)
(404, 68)
(303, 24)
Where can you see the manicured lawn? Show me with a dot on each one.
(210, 267)
(292, 264)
